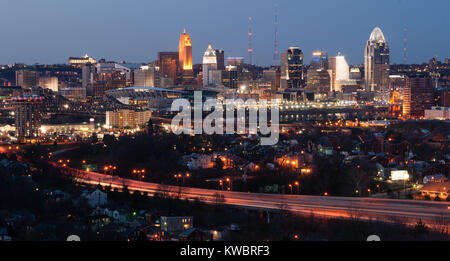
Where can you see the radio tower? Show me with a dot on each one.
(276, 56)
(405, 41)
(250, 34)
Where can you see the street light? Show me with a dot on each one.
(229, 183)
(297, 184)
(140, 173)
(290, 186)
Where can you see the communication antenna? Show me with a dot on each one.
(250, 35)
(405, 45)
(276, 55)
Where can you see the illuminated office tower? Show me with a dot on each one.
(418, 96)
(168, 64)
(230, 76)
(294, 67)
(209, 64)
(147, 76)
(339, 72)
(319, 60)
(318, 80)
(185, 55)
(376, 62)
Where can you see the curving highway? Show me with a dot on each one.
(391, 210)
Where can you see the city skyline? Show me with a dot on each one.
(131, 31)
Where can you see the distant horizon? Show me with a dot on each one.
(50, 31)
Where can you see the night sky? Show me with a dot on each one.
(49, 31)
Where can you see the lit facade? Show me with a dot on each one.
(418, 96)
(79, 61)
(376, 62)
(49, 83)
(294, 67)
(28, 115)
(209, 65)
(168, 64)
(185, 52)
(147, 76)
(339, 72)
(127, 118)
(319, 60)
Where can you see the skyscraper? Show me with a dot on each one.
(168, 64)
(28, 114)
(418, 96)
(376, 62)
(146, 76)
(339, 71)
(220, 55)
(294, 67)
(319, 60)
(209, 65)
(318, 80)
(283, 71)
(185, 55)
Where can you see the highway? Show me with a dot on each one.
(390, 210)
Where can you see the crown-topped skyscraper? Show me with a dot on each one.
(185, 56)
(376, 62)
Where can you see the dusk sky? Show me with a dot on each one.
(49, 31)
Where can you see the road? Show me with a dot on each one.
(394, 210)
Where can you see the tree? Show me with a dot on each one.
(218, 163)
(108, 140)
(94, 138)
(150, 128)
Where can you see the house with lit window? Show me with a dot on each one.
(176, 224)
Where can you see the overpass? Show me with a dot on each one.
(386, 210)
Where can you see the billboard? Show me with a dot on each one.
(399, 175)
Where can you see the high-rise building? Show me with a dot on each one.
(127, 118)
(339, 72)
(168, 64)
(283, 71)
(318, 81)
(28, 115)
(49, 83)
(27, 79)
(418, 96)
(209, 64)
(147, 76)
(319, 60)
(220, 56)
(87, 78)
(230, 76)
(376, 62)
(272, 76)
(294, 67)
(185, 55)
